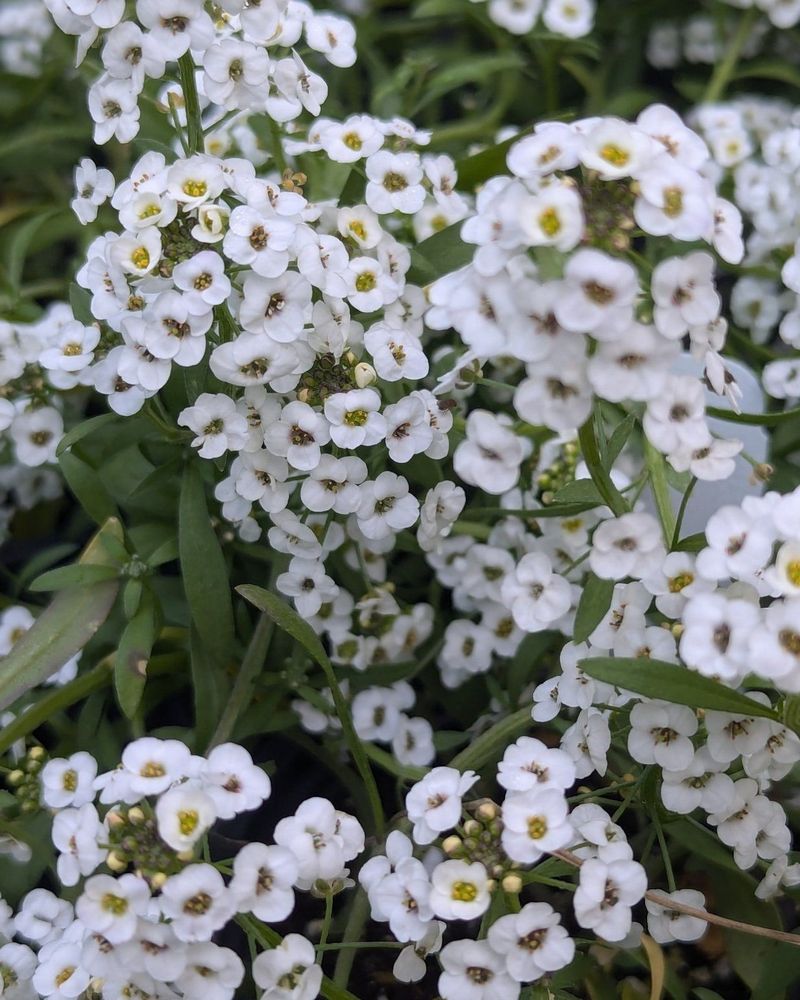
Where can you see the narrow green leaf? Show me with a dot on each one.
(489, 746)
(692, 543)
(19, 243)
(203, 569)
(620, 437)
(63, 628)
(657, 472)
(590, 447)
(133, 655)
(88, 488)
(670, 682)
(594, 602)
(207, 708)
(80, 302)
(84, 429)
(457, 74)
(759, 419)
(582, 491)
(77, 575)
(441, 253)
(478, 168)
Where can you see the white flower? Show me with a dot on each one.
(535, 822)
(684, 294)
(92, 187)
(394, 182)
(262, 881)
(386, 506)
(197, 902)
(605, 894)
(322, 839)
(666, 925)
(472, 970)
(535, 595)
(532, 941)
(660, 734)
(69, 781)
(288, 971)
(77, 834)
(598, 295)
(434, 803)
(111, 906)
(528, 764)
(232, 781)
(702, 784)
(59, 975)
(17, 966)
(216, 423)
(615, 148)
(459, 890)
(184, 813)
(715, 635)
(628, 545)
(440, 510)
(491, 454)
(587, 742)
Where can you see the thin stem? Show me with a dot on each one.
(710, 918)
(662, 845)
(326, 924)
(342, 945)
(356, 922)
(278, 155)
(725, 69)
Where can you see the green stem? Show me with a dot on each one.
(326, 924)
(724, 70)
(194, 122)
(243, 687)
(342, 945)
(664, 853)
(759, 419)
(600, 476)
(277, 146)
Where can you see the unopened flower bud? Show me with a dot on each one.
(16, 778)
(185, 855)
(116, 862)
(136, 816)
(512, 883)
(364, 375)
(157, 880)
(472, 828)
(36, 753)
(113, 818)
(451, 844)
(487, 811)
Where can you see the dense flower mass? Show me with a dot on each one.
(475, 436)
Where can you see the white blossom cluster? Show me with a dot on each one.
(569, 18)
(25, 27)
(248, 59)
(146, 928)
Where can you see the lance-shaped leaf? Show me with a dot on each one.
(64, 628)
(133, 655)
(670, 682)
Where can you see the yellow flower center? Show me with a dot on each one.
(615, 155)
(464, 892)
(195, 189)
(365, 282)
(537, 827)
(550, 222)
(114, 904)
(677, 583)
(140, 258)
(793, 572)
(673, 202)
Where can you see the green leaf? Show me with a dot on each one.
(80, 302)
(77, 575)
(489, 746)
(20, 242)
(88, 488)
(657, 472)
(594, 602)
(478, 67)
(478, 168)
(769, 69)
(590, 446)
(203, 569)
(63, 628)
(133, 655)
(692, 543)
(205, 690)
(758, 419)
(527, 657)
(440, 254)
(619, 438)
(581, 491)
(84, 429)
(673, 683)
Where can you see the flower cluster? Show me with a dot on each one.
(147, 926)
